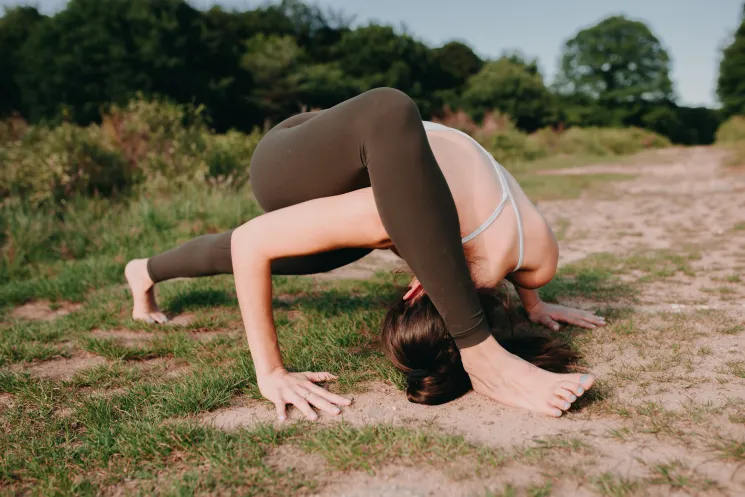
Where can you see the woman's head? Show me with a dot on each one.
(416, 340)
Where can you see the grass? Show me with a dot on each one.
(736, 368)
(557, 187)
(559, 446)
(610, 485)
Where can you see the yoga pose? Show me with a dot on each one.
(368, 174)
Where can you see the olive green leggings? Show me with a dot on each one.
(375, 139)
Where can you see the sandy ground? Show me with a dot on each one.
(684, 201)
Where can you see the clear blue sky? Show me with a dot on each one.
(693, 31)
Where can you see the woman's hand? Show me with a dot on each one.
(299, 389)
(550, 315)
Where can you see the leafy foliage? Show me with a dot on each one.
(513, 87)
(256, 67)
(732, 135)
(148, 144)
(618, 61)
(731, 84)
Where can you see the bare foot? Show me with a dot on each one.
(143, 293)
(510, 380)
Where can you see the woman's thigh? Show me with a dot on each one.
(312, 155)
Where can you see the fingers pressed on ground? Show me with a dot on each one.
(322, 404)
(302, 405)
(593, 318)
(319, 376)
(586, 324)
(281, 411)
(330, 396)
(550, 323)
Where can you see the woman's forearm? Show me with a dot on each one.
(528, 297)
(253, 284)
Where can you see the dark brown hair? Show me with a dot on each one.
(415, 339)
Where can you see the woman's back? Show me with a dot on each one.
(473, 176)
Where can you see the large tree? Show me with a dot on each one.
(618, 62)
(377, 55)
(457, 62)
(95, 52)
(514, 87)
(15, 28)
(731, 85)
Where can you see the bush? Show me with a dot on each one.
(732, 131)
(510, 146)
(731, 134)
(228, 156)
(599, 141)
(53, 164)
(147, 144)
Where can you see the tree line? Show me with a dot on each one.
(250, 68)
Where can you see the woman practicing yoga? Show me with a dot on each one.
(366, 174)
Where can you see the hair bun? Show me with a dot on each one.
(418, 375)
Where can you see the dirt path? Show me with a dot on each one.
(676, 395)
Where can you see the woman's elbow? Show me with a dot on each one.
(246, 246)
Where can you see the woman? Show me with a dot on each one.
(366, 174)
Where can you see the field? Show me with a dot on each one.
(93, 403)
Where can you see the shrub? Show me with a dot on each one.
(508, 146)
(599, 141)
(228, 157)
(731, 134)
(53, 164)
(151, 145)
(732, 130)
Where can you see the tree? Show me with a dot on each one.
(512, 86)
(618, 62)
(731, 84)
(97, 52)
(227, 84)
(377, 56)
(457, 62)
(16, 26)
(271, 60)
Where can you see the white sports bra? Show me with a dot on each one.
(506, 192)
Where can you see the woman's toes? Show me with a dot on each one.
(566, 394)
(553, 411)
(586, 381)
(560, 403)
(160, 317)
(574, 388)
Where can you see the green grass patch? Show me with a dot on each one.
(730, 450)
(557, 187)
(542, 448)
(610, 485)
(347, 448)
(735, 368)
(586, 281)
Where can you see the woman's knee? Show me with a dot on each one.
(389, 106)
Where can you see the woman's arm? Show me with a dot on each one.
(349, 220)
(550, 315)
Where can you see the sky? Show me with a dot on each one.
(693, 31)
